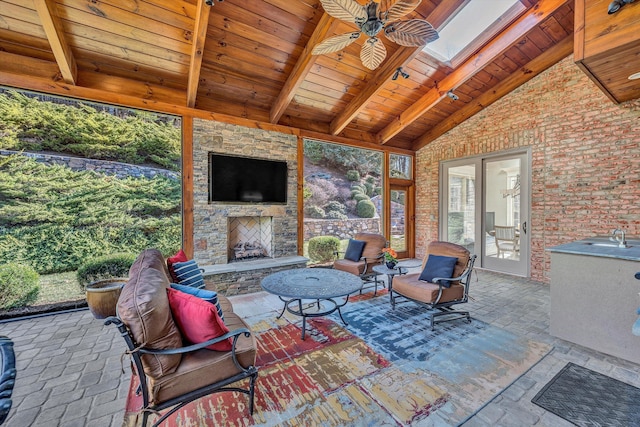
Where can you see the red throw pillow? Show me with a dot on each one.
(197, 319)
(178, 257)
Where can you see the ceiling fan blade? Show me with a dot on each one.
(346, 10)
(399, 9)
(373, 53)
(335, 43)
(413, 32)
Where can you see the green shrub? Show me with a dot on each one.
(323, 248)
(336, 215)
(366, 209)
(335, 206)
(353, 175)
(306, 192)
(314, 212)
(360, 196)
(19, 285)
(87, 130)
(358, 188)
(105, 267)
(54, 219)
(369, 188)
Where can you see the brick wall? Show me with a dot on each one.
(585, 160)
(210, 219)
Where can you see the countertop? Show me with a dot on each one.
(600, 247)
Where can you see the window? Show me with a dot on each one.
(343, 195)
(400, 166)
(478, 21)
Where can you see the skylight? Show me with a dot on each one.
(468, 24)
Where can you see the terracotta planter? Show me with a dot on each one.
(102, 296)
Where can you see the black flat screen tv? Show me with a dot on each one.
(246, 179)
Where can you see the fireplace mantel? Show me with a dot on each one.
(258, 264)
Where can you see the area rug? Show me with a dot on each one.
(385, 368)
(588, 398)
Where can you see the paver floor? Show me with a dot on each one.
(71, 373)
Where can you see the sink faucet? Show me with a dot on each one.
(617, 235)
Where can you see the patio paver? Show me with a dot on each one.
(70, 372)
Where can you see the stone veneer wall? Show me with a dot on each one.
(585, 170)
(210, 219)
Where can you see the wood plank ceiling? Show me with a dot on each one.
(250, 60)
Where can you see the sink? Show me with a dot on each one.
(607, 245)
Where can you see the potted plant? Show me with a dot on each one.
(390, 257)
(103, 279)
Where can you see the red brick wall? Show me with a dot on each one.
(585, 160)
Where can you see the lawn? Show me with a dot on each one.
(59, 287)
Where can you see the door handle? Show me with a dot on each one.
(524, 227)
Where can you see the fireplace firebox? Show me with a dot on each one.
(249, 237)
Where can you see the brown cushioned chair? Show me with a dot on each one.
(435, 294)
(172, 375)
(371, 256)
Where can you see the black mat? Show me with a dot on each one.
(588, 398)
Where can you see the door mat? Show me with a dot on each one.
(588, 398)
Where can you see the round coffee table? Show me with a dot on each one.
(319, 284)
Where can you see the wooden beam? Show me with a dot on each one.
(300, 195)
(325, 26)
(197, 50)
(471, 66)
(187, 186)
(400, 58)
(53, 29)
(518, 78)
(578, 30)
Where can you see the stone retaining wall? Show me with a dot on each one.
(342, 229)
(119, 169)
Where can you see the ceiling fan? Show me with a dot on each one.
(372, 19)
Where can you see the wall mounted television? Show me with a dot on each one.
(246, 179)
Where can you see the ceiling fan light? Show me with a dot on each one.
(371, 19)
(614, 6)
(400, 72)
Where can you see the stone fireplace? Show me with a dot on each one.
(250, 237)
(218, 227)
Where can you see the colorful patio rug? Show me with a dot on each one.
(386, 368)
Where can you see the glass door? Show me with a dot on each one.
(400, 227)
(459, 220)
(505, 231)
(485, 208)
